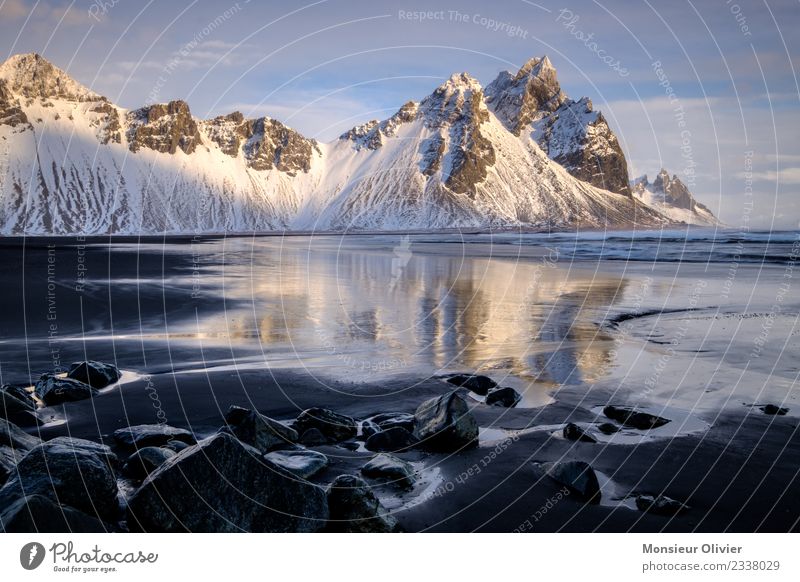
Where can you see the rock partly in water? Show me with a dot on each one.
(95, 374)
(388, 420)
(54, 390)
(390, 469)
(40, 514)
(368, 428)
(573, 432)
(445, 423)
(313, 438)
(355, 508)
(660, 505)
(151, 435)
(336, 427)
(69, 471)
(506, 397)
(301, 462)
(146, 460)
(608, 428)
(773, 410)
(633, 418)
(17, 406)
(259, 431)
(224, 485)
(478, 384)
(578, 476)
(392, 440)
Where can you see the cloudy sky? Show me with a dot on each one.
(707, 89)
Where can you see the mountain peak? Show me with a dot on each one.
(31, 75)
(461, 82)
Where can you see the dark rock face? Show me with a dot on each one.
(633, 418)
(478, 384)
(660, 505)
(163, 128)
(608, 428)
(506, 397)
(17, 406)
(301, 462)
(445, 424)
(108, 119)
(270, 144)
(52, 390)
(371, 134)
(10, 111)
(674, 191)
(11, 436)
(334, 426)
(228, 132)
(223, 485)
(773, 410)
(578, 476)
(313, 437)
(69, 471)
(570, 132)
(95, 374)
(40, 514)
(394, 439)
(391, 469)
(354, 508)
(146, 460)
(573, 432)
(151, 435)
(259, 431)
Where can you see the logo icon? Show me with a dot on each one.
(31, 555)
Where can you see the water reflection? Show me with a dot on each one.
(352, 307)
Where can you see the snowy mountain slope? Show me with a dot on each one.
(671, 197)
(72, 162)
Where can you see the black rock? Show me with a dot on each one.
(608, 428)
(336, 427)
(573, 432)
(368, 428)
(507, 397)
(389, 420)
(177, 446)
(224, 485)
(151, 435)
(17, 406)
(354, 508)
(445, 423)
(578, 476)
(390, 468)
(478, 384)
(40, 514)
(69, 471)
(146, 460)
(8, 462)
(53, 390)
(773, 410)
(12, 436)
(394, 439)
(313, 438)
(259, 431)
(301, 462)
(633, 418)
(95, 374)
(660, 505)
(20, 392)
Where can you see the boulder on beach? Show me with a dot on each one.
(336, 427)
(95, 374)
(151, 435)
(391, 469)
(573, 432)
(8, 462)
(259, 431)
(633, 418)
(17, 406)
(773, 410)
(313, 438)
(445, 423)
(660, 505)
(368, 428)
(40, 514)
(392, 440)
(578, 476)
(608, 428)
(355, 508)
(53, 390)
(69, 471)
(478, 384)
(146, 460)
(14, 437)
(301, 462)
(223, 485)
(506, 397)
(387, 420)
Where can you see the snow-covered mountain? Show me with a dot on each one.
(523, 155)
(672, 198)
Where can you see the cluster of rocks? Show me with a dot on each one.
(625, 416)
(484, 386)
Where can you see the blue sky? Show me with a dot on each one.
(705, 88)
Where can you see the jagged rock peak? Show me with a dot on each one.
(669, 191)
(163, 127)
(370, 135)
(34, 77)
